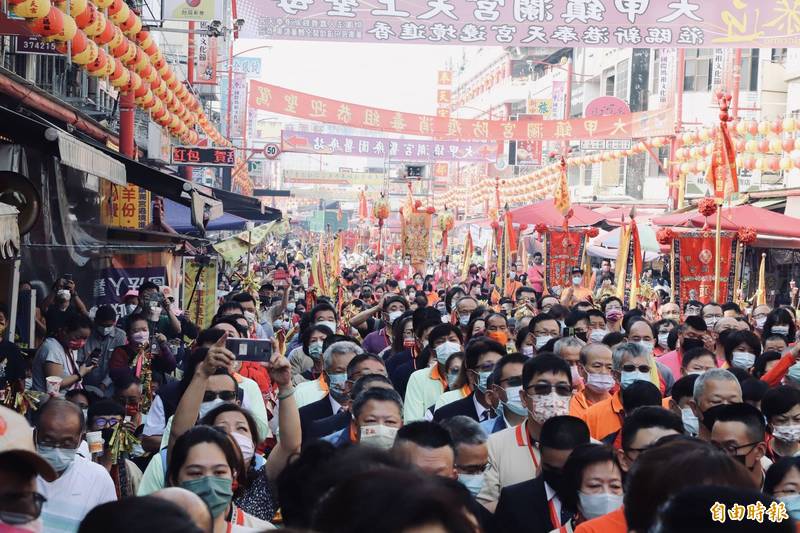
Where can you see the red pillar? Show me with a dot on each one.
(127, 107)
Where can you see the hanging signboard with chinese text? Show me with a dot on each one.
(553, 23)
(266, 97)
(205, 58)
(203, 157)
(197, 10)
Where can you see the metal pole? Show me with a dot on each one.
(230, 86)
(127, 144)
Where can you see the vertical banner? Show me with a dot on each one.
(666, 76)
(238, 107)
(205, 57)
(200, 284)
(444, 92)
(693, 265)
(416, 235)
(563, 250)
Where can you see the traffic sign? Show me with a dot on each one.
(272, 150)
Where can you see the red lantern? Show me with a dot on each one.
(747, 235)
(707, 207)
(788, 144)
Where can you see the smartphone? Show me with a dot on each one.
(250, 349)
(94, 357)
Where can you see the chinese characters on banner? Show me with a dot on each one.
(130, 206)
(563, 250)
(444, 93)
(693, 266)
(197, 10)
(113, 282)
(205, 58)
(542, 23)
(202, 290)
(388, 148)
(266, 97)
(238, 106)
(200, 156)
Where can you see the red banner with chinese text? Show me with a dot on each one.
(693, 266)
(266, 97)
(563, 250)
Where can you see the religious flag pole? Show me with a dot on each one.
(723, 179)
(717, 247)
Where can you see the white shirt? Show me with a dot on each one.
(479, 409)
(308, 392)
(551, 496)
(154, 421)
(82, 487)
(335, 406)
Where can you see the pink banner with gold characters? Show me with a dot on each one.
(554, 23)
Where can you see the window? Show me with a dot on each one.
(698, 69)
(621, 79)
(608, 75)
(749, 81)
(778, 55)
(587, 175)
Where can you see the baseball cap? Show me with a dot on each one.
(577, 270)
(16, 438)
(131, 292)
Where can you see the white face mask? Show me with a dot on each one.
(245, 445)
(250, 316)
(445, 350)
(597, 335)
(600, 382)
(595, 505)
(662, 340)
(541, 341)
(527, 350)
(330, 324)
(394, 315)
(690, 422)
(378, 435)
(547, 406)
(207, 407)
(576, 280)
(647, 346)
(65, 295)
(780, 330)
(788, 433)
(743, 360)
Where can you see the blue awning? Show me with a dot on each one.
(179, 218)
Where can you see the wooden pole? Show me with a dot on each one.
(717, 258)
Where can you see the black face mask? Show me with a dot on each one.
(690, 344)
(555, 478)
(582, 335)
(107, 434)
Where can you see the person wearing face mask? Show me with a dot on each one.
(576, 292)
(79, 485)
(782, 481)
(105, 416)
(598, 328)
(670, 311)
(392, 308)
(612, 308)
(332, 383)
(544, 328)
(741, 349)
(739, 430)
(20, 501)
(377, 415)
(479, 361)
(130, 300)
(594, 368)
(62, 302)
(543, 503)
(711, 313)
(57, 356)
(715, 387)
(306, 359)
(662, 328)
(630, 363)
(250, 310)
(758, 318)
(593, 482)
(514, 453)
(105, 338)
(141, 351)
(463, 310)
(781, 408)
(497, 329)
(697, 361)
(569, 349)
(642, 333)
(691, 334)
(207, 462)
(504, 386)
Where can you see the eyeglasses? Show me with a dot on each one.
(224, 395)
(101, 422)
(732, 449)
(487, 367)
(20, 507)
(513, 381)
(67, 443)
(543, 389)
(633, 368)
(473, 469)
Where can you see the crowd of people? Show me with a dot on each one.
(410, 401)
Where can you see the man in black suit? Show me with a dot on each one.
(532, 505)
(327, 426)
(479, 362)
(333, 404)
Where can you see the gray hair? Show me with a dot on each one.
(715, 374)
(464, 430)
(627, 349)
(340, 348)
(567, 342)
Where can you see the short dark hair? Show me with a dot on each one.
(779, 400)
(640, 393)
(613, 338)
(693, 303)
(778, 471)
(76, 321)
(541, 364)
(583, 456)
(605, 301)
(104, 408)
(230, 305)
(497, 373)
(753, 390)
(736, 338)
(227, 407)
(105, 313)
(392, 299)
(148, 286)
(695, 353)
(198, 435)
(596, 313)
(477, 348)
(738, 412)
(648, 417)
(760, 366)
(361, 383)
(731, 306)
(695, 322)
(142, 513)
(377, 394)
(443, 330)
(242, 297)
(424, 434)
(574, 317)
(360, 358)
(564, 433)
(684, 387)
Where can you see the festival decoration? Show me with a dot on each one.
(665, 236)
(693, 265)
(380, 209)
(593, 232)
(446, 221)
(707, 207)
(747, 236)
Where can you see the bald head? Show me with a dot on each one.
(189, 502)
(727, 323)
(62, 413)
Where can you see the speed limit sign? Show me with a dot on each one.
(272, 150)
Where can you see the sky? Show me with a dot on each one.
(393, 76)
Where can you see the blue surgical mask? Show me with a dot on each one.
(59, 458)
(630, 377)
(792, 503)
(337, 381)
(473, 482)
(315, 350)
(483, 377)
(514, 403)
(690, 422)
(794, 373)
(445, 350)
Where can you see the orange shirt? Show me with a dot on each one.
(579, 405)
(605, 417)
(613, 522)
(577, 294)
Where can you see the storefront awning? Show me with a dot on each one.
(179, 218)
(246, 207)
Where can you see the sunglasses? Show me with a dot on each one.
(543, 389)
(633, 368)
(224, 395)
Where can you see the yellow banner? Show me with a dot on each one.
(202, 290)
(234, 248)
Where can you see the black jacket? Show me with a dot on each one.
(326, 426)
(464, 406)
(523, 508)
(314, 411)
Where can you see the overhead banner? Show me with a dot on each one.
(392, 149)
(200, 284)
(693, 266)
(205, 58)
(191, 10)
(563, 250)
(536, 23)
(280, 100)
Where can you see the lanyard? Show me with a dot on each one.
(554, 516)
(525, 439)
(236, 518)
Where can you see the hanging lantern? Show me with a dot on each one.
(789, 124)
(31, 8)
(741, 127)
(775, 145)
(97, 67)
(751, 146)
